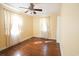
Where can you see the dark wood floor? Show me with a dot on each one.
(33, 47)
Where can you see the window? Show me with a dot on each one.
(16, 23)
(44, 27)
(43, 23)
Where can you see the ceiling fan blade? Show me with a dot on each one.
(26, 11)
(23, 7)
(38, 9)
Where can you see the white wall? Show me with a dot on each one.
(58, 29)
(69, 28)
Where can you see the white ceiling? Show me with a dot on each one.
(46, 7)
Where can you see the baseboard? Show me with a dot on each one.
(61, 49)
(45, 38)
(52, 38)
(17, 43)
(2, 49)
(26, 38)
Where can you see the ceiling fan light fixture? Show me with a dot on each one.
(34, 12)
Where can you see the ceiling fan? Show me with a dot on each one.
(31, 8)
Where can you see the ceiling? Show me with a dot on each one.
(47, 8)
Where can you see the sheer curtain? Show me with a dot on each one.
(44, 27)
(7, 25)
(12, 25)
(16, 27)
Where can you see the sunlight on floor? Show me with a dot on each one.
(38, 42)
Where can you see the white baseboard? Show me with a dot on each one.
(37, 36)
(47, 38)
(61, 49)
(17, 43)
(2, 49)
(26, 38)
(52, 38)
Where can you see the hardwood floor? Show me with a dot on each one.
(33, 47)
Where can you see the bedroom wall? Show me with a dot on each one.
(27, 29)
(69, 29)
(2, 36)
(36, 25)
(53, 26)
